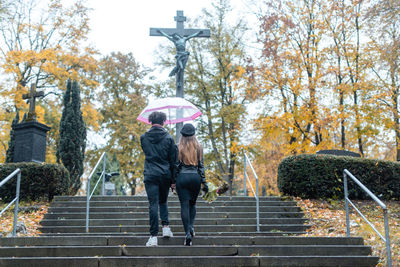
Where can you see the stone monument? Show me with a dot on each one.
(337, 152)
(179, 36)
(30, 135)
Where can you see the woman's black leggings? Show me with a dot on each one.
(188, 188)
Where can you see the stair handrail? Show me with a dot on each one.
(386, 239)
(15, 200)
(256, 194)
(89, 195)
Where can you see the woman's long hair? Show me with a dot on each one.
(188, 146)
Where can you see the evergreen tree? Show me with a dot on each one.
(71, 148)
(11, 143)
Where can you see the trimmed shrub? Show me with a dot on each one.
(321, 176)
(38, 181)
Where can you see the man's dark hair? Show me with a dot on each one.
(157, 117)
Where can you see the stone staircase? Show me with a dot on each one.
(225, 236)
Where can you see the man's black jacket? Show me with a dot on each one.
(160, 154)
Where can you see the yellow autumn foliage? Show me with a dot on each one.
(46, 49)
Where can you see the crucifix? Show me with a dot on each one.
(31, 96)
(179, 36)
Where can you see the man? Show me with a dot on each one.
(159, 173)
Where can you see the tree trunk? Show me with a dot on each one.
(358, 128)
(342, 121)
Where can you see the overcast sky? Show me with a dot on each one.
(123, 25)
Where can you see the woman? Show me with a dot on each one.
(190, 176)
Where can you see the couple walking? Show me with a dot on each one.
(170, 166)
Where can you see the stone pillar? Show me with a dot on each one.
(30, 142)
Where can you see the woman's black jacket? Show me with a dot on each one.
(182, 168)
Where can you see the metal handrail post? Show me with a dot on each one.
(388, 251)
(104, 177)
(17, 190)
(15, 200)
(346, 203)
(87, 204)
(245, 176)
(88, 194)
(256, 194)
(380, 203)
(258, 206)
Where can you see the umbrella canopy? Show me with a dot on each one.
(177, 110)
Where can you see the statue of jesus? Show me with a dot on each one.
(181, 54)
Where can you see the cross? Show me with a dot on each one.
(32, 99)
(179, 36)
(180, 19)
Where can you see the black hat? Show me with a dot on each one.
(188, 130)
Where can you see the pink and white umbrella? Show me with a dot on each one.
(177, 110)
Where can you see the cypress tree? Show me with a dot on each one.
(72, 144)
(11, 143)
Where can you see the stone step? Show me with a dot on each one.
(196, 250)
(181, 234)
(206, 261)
(225, 236)
(88, 240)
(170, 198)
(172, 204)
(176, 228)
(175, 209)
(172, 215)
(145, 221)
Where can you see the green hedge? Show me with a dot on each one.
(321, 176)
(38, 181)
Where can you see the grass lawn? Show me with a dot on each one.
(328, 218)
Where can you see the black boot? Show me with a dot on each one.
(192, 232)
(188, 240)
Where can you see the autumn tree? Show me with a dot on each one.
(348, 64)
(336, 20)
(41, 44)
(384, 30)
(122, 95)
(313, 80)
(293, 73)
(71, 148)
(315, 72)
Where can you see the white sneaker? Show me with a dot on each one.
(152, 242)
(166, 232)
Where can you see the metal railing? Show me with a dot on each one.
(386, 239)
(16, 199)
(256, 194)
(88, 194)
